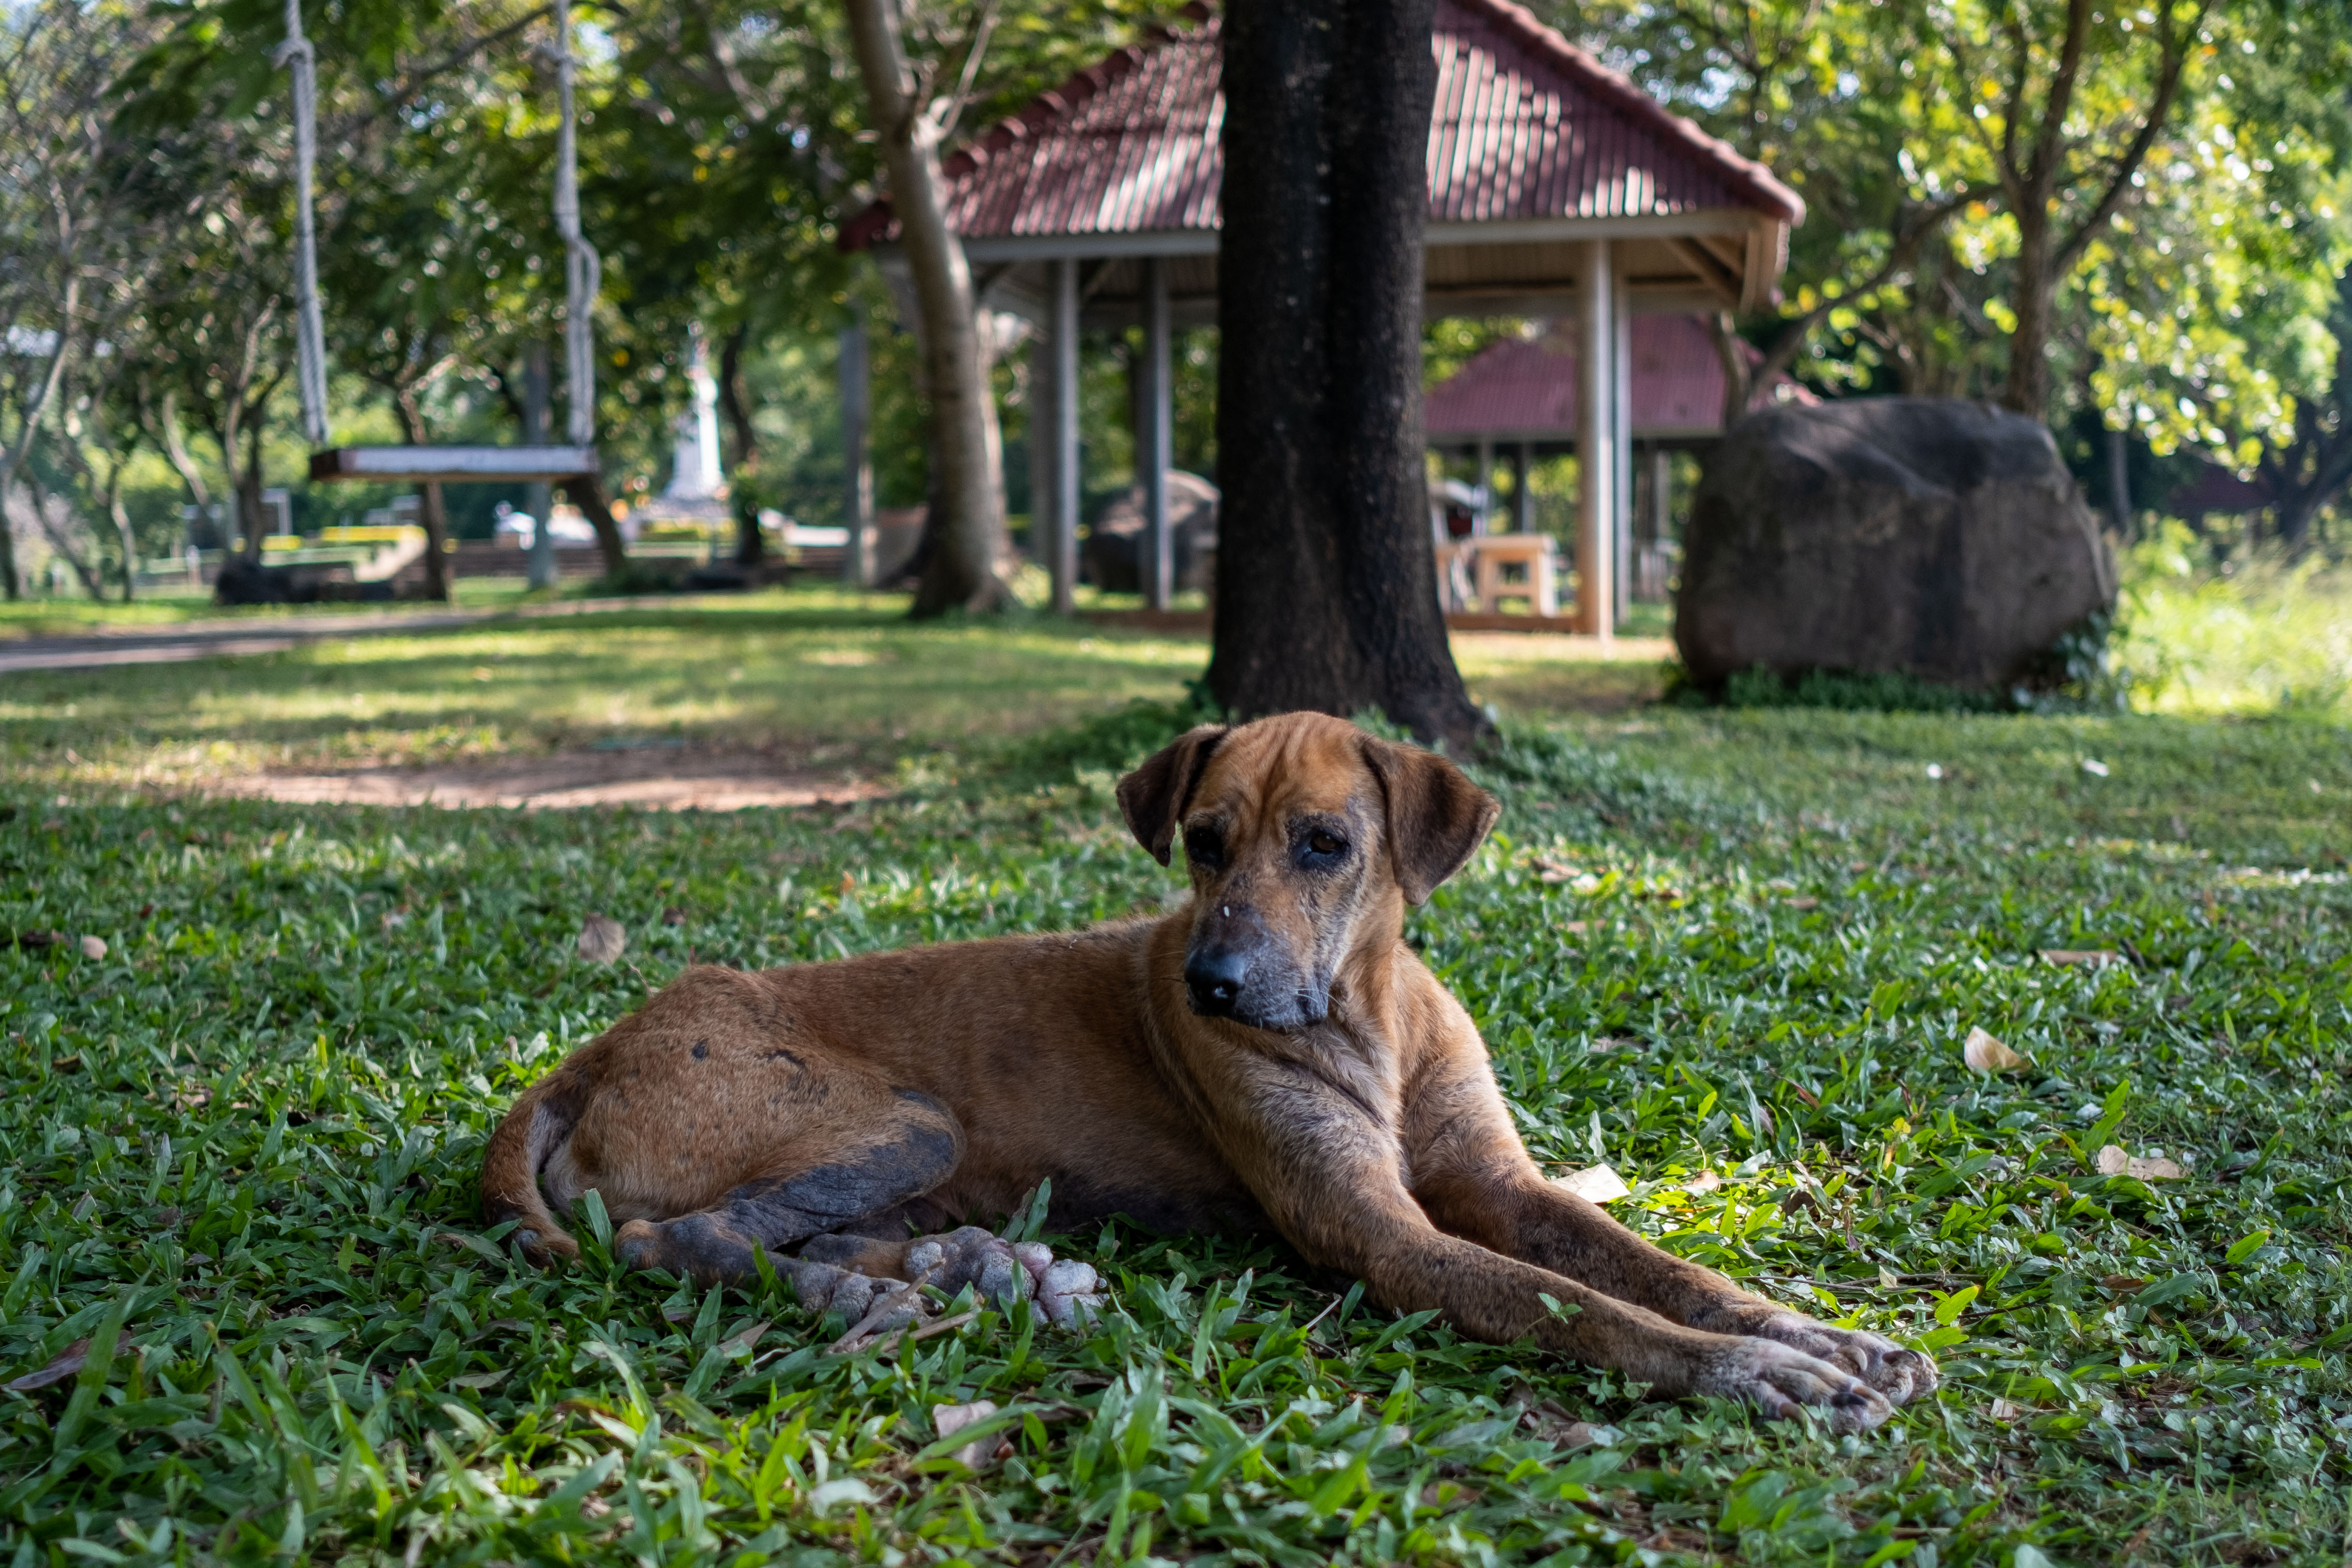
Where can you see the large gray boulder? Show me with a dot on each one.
(1113, 551)
(1921, 536)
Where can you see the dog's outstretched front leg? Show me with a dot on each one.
(1473, 1178)
(1331, 1178)
(1410, 1265)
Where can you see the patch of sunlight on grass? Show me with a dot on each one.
(774, 671)
(2267, 638)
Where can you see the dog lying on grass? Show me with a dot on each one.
(1271, 1054)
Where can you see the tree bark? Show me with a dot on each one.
(962, 572)
(1326, 585)
(1737, 389)
(92, 583)
(2033, 169)
(587, 493)
(431, 509)
(735, 403)
(2119, 497)
(36, 398)
(175, 451)
(126, 537)
(250, 482)
(2317, 467)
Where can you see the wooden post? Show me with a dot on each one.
(1620, 577)
(1154, 439)
(538, 495)
(1068, 488)
(1596, 441)
(857, 463)
(1485, 492)
(1041, 434)
(1523, 510)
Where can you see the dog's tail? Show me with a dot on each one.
(519, 1150)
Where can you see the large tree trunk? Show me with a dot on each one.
(1326, 586)
(126, 537)
(587, 493)
(735, 403)
(962, 572)
(2027, 389)
(252, 510)
(36, 398)
(92, 582)
(432, 510)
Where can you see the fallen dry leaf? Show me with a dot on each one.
(1802, 903)
(1704, 1182)
(68, 1363)
(2005, 1410)
(742, 1343)
(1985, 1054)
(2122, 1284)
(1575, 928)
(93, 947)
(1556, 870)
(602, 938)
(2067, 955)
(1595, 1183)
(483, 1381)
(951, 1419)
(2111, 1161)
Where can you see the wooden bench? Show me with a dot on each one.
(1487, 561)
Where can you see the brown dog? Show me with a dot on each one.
(1273, 1053)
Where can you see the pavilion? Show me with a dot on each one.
(1517, 398)
(1557, 187)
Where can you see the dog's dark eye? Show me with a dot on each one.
(1204, 847)
(1327, 845)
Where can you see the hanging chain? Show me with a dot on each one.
(309, 334)
(582, 270)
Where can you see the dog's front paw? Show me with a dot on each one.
(1069, 1291)
(1902, 1375)
(1780, 1381)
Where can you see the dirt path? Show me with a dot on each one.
(228, 639)
(660, 778)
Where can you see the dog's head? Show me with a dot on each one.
(1304, 835)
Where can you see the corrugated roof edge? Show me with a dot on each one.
(1629, 97)
(873, 222)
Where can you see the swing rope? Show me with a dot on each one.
(582, 268)
(309, 333)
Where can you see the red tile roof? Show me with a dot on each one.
(1527, 388)
(1527, 125)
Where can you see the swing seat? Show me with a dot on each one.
(452, 464)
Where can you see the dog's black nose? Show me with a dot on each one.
(1215, 978)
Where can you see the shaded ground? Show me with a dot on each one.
(663, 777)
(393, 706)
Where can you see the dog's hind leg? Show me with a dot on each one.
(1066, 1290)
(820, 1183)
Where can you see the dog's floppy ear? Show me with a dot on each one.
(1436, 816)
(1153, 796)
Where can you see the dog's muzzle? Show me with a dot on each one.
(1215, 979)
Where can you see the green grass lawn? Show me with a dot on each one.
(1733, 955)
